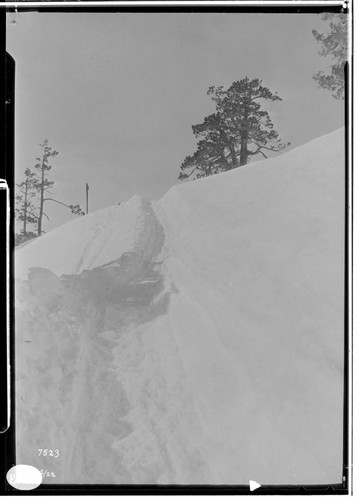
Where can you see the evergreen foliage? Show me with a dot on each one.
(25, 211)
(333, 44)
(43, 184)
(238, 130)
(22, 238)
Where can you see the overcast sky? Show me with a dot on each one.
(116, 94)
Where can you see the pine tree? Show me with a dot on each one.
(25, 211)
(31, 196)
(335, 45)
(43, 184)
(237, 131)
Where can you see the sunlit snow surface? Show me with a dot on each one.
(193, 340)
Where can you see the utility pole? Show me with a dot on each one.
(87, 189)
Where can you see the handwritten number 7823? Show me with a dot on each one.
(48, 453)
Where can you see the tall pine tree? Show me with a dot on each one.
(238, 130)
(25, 211)
(43, 184)
(32, 194)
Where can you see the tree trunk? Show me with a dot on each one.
(25, 208)
(233, 157)
(223, 161)
(244, 155)
(243, 152)
(39, 226)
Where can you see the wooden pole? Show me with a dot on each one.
(87, 189)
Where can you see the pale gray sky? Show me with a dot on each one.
(116, 93)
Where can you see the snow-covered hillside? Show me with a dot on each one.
(197, 339)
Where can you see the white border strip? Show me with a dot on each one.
(3, 185)
(179, 3)
(351, 239)
(350, 243)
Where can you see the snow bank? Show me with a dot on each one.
(257, 255)
(89, 241)
(216, 357)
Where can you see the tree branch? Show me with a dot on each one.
(32, 214)
(56, 201)
(257, 97)
(270, 149)
(188, 175)
(258, 150)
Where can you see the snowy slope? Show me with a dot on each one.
(194, 340)
(92, 241)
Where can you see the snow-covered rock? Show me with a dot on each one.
(194, 340)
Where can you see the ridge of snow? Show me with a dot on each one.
(90, 241)
(308, 156)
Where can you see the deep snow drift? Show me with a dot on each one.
(193, 340)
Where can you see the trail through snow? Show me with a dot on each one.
(197, 339)
(99, 306)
